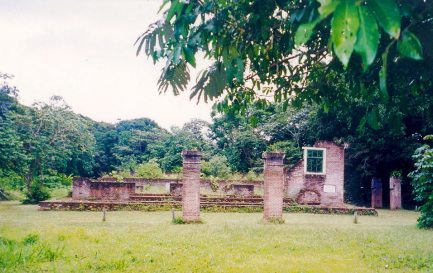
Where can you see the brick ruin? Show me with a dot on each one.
(325, 188)
(273, 186)
(395, 193)
(317, 180)
(191, 186)
(376, 193)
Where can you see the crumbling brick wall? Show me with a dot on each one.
(112, 190)
(328, 187)
(85, 189)
(80, 188)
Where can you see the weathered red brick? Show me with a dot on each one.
(395, 193)
(191, 186)
(273, 185)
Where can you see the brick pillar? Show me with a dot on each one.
(376, 193)
(394, 192)
(191, 186)
(273, 185)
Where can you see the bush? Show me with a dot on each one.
(292, 152)
(10, 181)
(149, 169)
(396, 173)
(38, 192)
(253, 176)
(216, 167)
(56, 180)
(422, 181)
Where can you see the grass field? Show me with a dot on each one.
(36, 241)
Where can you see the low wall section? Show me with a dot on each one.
(85, 189)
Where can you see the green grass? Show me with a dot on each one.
(131, 241)
(59, 193)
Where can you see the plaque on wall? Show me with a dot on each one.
(329, 188)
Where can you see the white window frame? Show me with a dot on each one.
(323, 162)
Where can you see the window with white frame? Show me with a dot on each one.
(315, 160)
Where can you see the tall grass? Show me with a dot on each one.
(131, 241)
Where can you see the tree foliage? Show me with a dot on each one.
(423, 183)
(149, 169)
(267, 49)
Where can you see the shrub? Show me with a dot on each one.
(38, 192)
(275, 220)
(10, 180)
(179, 221)
(216, 167)
(422, 181)
(253, 176)
(149, 169)
(292, 152)
(55, 180)
(396, 173)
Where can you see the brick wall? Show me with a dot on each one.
(273, 185)
(327, 189)
(80, 188)
(191, 186)
(85, 189)
(243, 190)
(224, 186)
(112, 190)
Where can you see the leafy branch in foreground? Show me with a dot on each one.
(266, 50)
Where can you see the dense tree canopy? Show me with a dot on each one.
(275, 49)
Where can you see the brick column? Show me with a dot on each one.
(394, 192)
(273, 186)
(191, 186)
(376, 193)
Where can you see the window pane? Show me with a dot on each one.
(314, 161)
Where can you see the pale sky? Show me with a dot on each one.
(83, 51)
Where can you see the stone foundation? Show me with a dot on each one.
(75, 205)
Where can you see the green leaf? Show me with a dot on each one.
(189, 56)
(387, 14)
(410, 46)
(382, 76)
(163, 5)
(368, 37)
(240, 68)
(373, 119)
(172, 10)
(304, 31)
(345, 25)
(327, 7)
